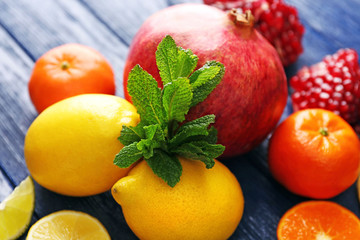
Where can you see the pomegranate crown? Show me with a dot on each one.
(241, 18)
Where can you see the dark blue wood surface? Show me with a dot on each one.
(30, 28)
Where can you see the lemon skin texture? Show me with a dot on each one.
(71, 145)
(205, 204)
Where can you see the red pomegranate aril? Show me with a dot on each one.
(338, 78)
(349, 97)
(303, 105)
(348, 85)
(333, 105)
(324, 96)
(337, 96)
(339, 88)
(275, 20)
(296, 97)
(344, 107)
(318, 81)
(326, 88)
(312, 103)
(321, 105)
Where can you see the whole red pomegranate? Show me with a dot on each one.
(252, 95)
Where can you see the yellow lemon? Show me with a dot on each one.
(205, 204)
(70, 147)
(68, 225)
(16, 210)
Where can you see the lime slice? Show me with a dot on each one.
(68, 225)
(16, 210)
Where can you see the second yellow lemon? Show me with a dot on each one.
(205, 204)
(70, 147)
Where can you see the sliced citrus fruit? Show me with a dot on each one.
(319, 220)
(16, 210)
(66, 225)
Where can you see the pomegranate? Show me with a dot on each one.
(252, 95)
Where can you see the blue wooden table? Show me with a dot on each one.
(30, 28)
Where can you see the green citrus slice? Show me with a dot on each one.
(16, 210)
(68, 225)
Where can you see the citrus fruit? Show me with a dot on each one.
(318, 220)
(16, 210)
(68, 225)
(70, 147)
(69, 70)
(205, 204)
(315, 153)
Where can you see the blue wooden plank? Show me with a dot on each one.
(38, 29)
(133, 14)
(329, 26)
(5, 186)
(16, 109)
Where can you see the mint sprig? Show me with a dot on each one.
(161, 135)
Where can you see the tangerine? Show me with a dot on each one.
(69, 70)
(315, 153)
(320, 220)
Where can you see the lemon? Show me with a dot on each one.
(68, 225)
(70, 146)
(205, 204)
(16, 210)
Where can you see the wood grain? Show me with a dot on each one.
(38, 29)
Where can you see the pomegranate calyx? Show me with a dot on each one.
(240, 18)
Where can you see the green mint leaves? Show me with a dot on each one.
(161, 136)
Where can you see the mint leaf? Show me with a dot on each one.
(162, 133)
(210, 150)
(130, 134)
(166, 59)
(165, 166)
(154, 138)
(204, 80)
(193, 128)
(202, 151)
(174, 62)
(211, 137)
(147, 146)
(186, 62)
(191, 151)
(154, 132)
(150, 131)
(146, 96)
(128, 155)
(176, 99)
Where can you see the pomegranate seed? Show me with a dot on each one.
(332, 84)
(275, 20)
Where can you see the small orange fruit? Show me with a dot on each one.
(315, 153)
(319, 220)
(67, 71)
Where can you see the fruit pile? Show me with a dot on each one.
(186, 105)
